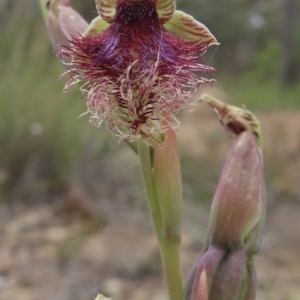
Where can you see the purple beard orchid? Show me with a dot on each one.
(138, 63)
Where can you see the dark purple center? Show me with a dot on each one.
(135, 12)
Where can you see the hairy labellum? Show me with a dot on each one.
(135, 73)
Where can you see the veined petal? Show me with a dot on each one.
(106, 9)
(187, 28)
(97, 26)
(165, 10)
(71, 22)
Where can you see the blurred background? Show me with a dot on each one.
(73, 216)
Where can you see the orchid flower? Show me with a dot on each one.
(138, 63)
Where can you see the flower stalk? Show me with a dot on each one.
(167, 175)
(149, 184)
(162, 181)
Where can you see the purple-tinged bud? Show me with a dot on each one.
(222, 275)
(237, 213)
(208, 261)
(231, 279)
(239, 203)
(62, 21)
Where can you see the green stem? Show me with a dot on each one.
(170, 251)
(169, 242)
(145, 159)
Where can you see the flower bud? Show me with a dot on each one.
(231, 279)
(237, 214)
(222, 275)
(238, 207)
(62, 22)
(208, 261)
